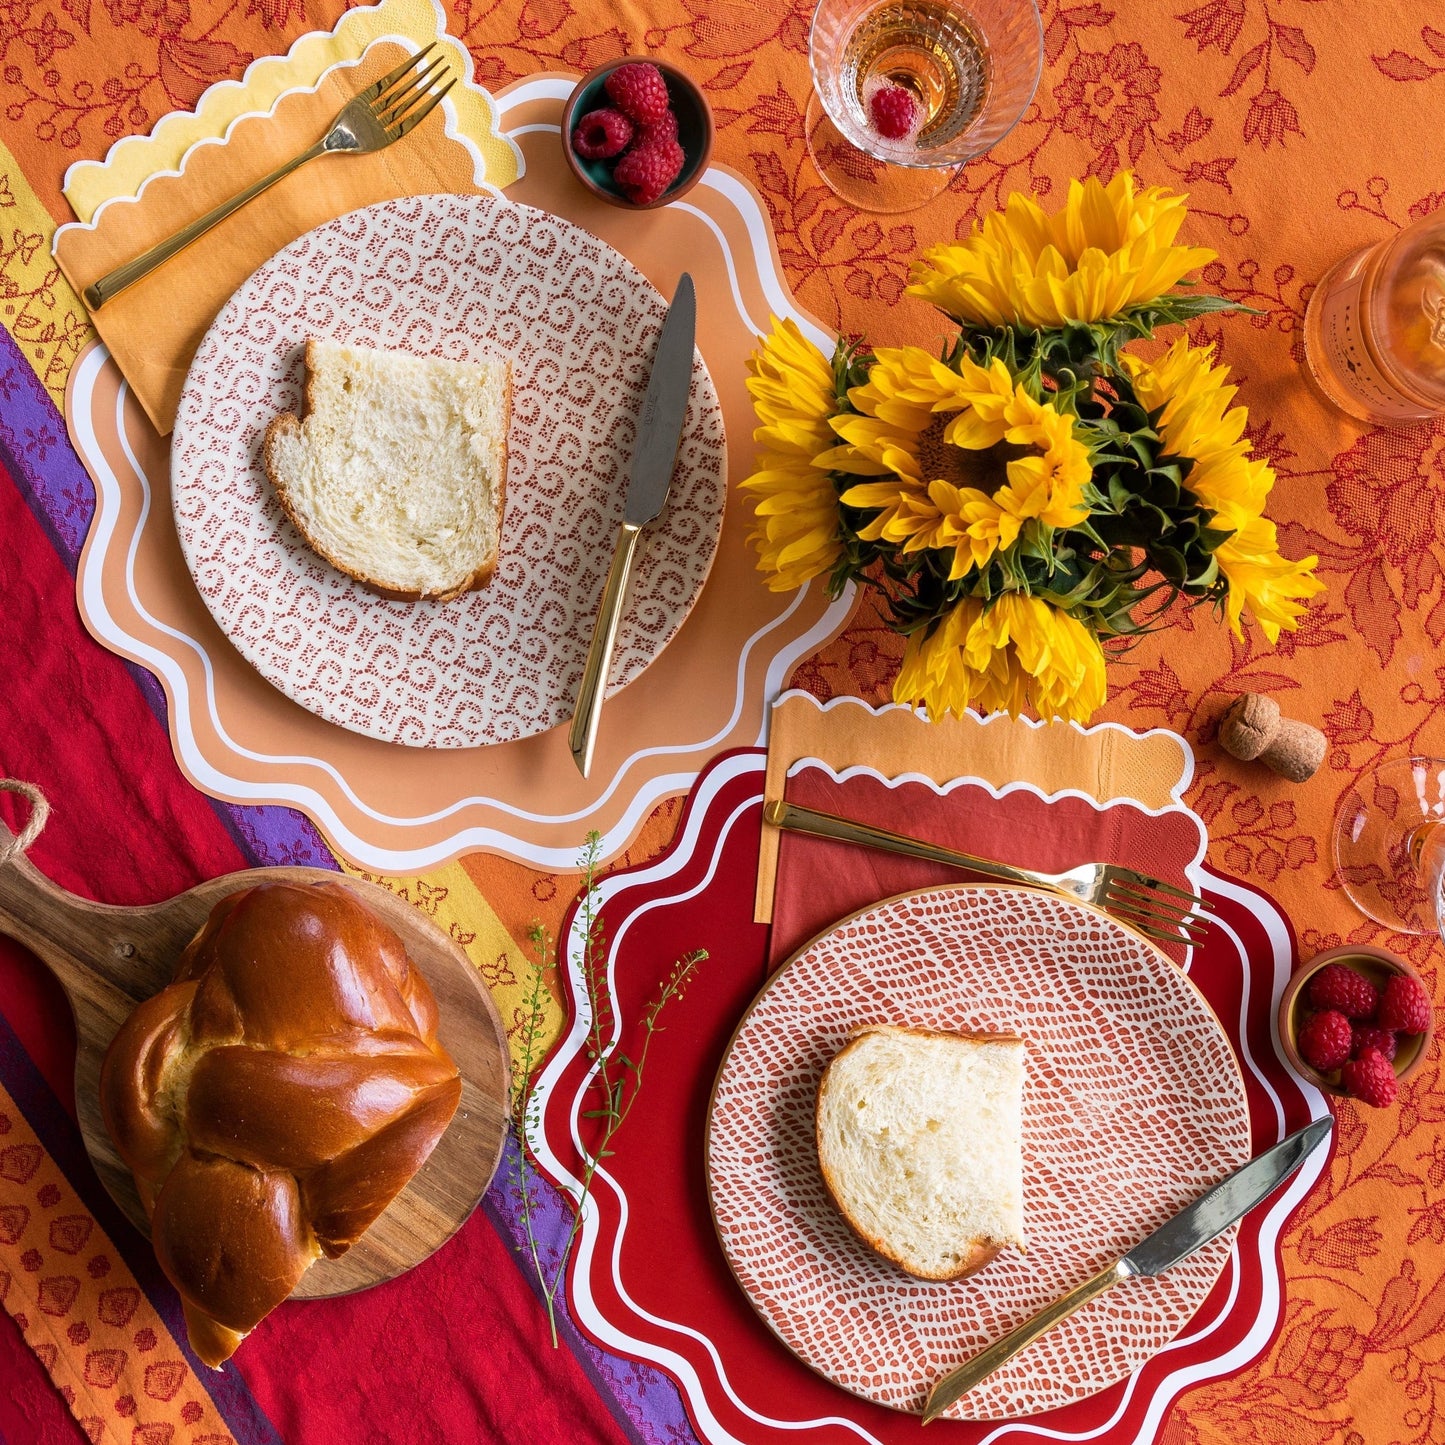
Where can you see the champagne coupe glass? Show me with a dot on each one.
(970, 68)
(1389, 844)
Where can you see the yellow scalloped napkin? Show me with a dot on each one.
(134, 159)
(151, 186)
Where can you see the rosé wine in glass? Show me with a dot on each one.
(970, 68)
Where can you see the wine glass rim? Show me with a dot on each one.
(849, 131)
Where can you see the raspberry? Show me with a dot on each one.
(1342, 989)
(645, 172)
(602, 134)
(1370, 1079)
(1405, 1006)
(893, 109)
(1371, 1036)
(638, 89)
(1324, 1040)
(660, 130)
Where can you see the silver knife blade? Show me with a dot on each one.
(1231, 1199)
(659, 427)
(1196, 1224)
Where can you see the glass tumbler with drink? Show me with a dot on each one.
(905, 91)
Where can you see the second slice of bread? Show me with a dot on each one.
(920, 1143)
(397, 473)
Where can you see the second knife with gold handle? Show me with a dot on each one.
(1195, 1225)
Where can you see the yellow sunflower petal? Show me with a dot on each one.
(1191, 397)
(1107, 248)
(795, 507)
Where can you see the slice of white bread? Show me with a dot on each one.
(397, 473)
(920, 1143)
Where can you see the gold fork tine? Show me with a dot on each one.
(397, 129)
(1175, 931)
(386, 107)
(1187, 922)
(391, 78)
(1121, 888)
(1153, 930)
(1151, 927)
(1142, 880)
(1157, 935)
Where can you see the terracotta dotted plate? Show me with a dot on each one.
(1133, 1106)
(460, 277)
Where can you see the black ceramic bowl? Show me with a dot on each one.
(694, 131)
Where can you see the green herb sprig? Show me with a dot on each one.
(614, 1081)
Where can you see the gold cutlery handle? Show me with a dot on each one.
(845, 830)
(114, 282)
(960, 1381)
(588, 711)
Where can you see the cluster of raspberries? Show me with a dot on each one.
(639, 127)
(1356, 1029)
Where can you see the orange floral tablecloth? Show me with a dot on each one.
(1302, 129)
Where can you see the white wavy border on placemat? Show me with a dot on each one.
(215, 779)
(589, 1253)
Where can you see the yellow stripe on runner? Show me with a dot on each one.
(450, 898)
(37, 305)
(83, 1312)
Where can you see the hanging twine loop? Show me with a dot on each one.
(39, 812)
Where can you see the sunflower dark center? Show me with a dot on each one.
(986, 470)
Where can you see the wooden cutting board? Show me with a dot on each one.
(107, 959)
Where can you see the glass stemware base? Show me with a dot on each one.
(1389, 846)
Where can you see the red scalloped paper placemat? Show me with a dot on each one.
(649, 1278)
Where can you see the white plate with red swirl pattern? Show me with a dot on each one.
(460, 277)
(1133, 1106)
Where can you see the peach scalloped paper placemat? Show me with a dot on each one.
(153, 328)
(391, 809)
(1105, 762)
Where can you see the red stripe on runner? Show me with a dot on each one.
(125, 825)
(35, 1008)
(31, 1410)
(460, 1342)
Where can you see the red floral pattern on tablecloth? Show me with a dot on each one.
(1303, 130)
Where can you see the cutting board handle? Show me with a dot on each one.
(85, 945)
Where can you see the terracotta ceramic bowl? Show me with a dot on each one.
(694, 131)
(1376, 965)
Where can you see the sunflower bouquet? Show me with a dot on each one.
(1036, 490)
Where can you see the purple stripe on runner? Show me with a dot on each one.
(36, 449)
(56, 1130)
(651, 1406)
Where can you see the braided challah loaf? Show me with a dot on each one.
(275, 1098)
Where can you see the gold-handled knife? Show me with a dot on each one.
(659, 431)
(1195, 1225)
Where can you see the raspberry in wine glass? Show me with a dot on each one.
(907, 90)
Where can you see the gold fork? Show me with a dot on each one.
(370, 121)
(1144, 903)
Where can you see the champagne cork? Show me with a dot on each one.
(1254, 727)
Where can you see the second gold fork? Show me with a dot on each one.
(1148, 905)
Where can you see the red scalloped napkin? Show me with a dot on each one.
(820, 881)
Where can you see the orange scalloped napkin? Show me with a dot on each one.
(154, 328)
